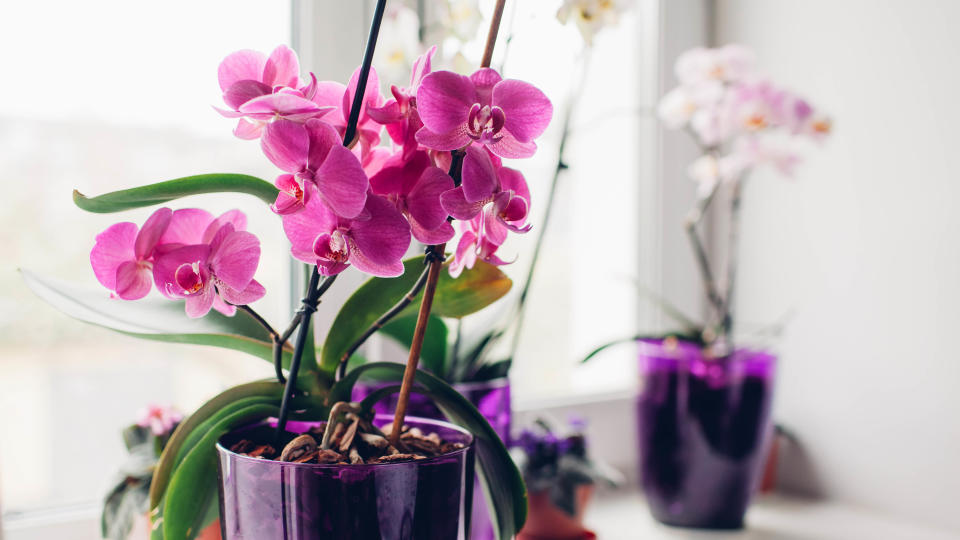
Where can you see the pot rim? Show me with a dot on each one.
(222, 450)
(654, 347)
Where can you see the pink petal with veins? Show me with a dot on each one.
(240, 66)
(444, 100)
(286, 144)
(381, 241)
(282, 68)
(342, 183)
(527, 109)
(151, 232)
(113, 247)
(133, 280)
(478, 176)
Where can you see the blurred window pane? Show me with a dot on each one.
(100, 96)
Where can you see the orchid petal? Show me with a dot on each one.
(247, 130)
(133, 280)
(199, 304)
(451, 140)
(242, 92)
(479, 178)
(186, 226)
(423, 201)
(282, 68)
(444, 100)
(245, 65)
(113, 247)
(286, 144)
(303, 227)
(322, 137)
(380, 242)
(509, 147)
(527, 109)
(240, 297)
(455, 204)
(439, 235)
(151, 232)
(166, 266)
(342, 182)
(234, 261)
(485, 79)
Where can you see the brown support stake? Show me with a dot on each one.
(436, 264)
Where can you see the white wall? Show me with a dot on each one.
(864, 246)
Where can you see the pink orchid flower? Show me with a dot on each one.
(161, 419)
(414, 186)
(123, 256)
(374, 241)
(399, 114)
(502, 114)
(189, 226)
(473, 245)
(499, 193)
(318, 163)
(260, 89)
(217, 275)
(340, 99)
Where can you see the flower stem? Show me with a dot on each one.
(435, 256)
(313, 290)
(260, 320)
(351, 131)
(308, 307)
(383, 320)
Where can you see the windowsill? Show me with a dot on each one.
(624, 515)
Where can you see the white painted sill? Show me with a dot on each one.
(624, 515)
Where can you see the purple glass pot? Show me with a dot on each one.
(261, 499)
(491, 398)
(703, 426)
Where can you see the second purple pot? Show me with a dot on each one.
(263, 499)
(491, 398)
(703, 425)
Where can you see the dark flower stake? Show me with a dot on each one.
(344, 200)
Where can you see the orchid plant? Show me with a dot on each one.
(741, 121)
(346, 196)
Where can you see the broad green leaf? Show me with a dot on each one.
(192, 429)
(193, 486)
(163, 192)
(501, 480)
(433, 356)
(156, 319)
(475, 289)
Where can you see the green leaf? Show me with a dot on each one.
(155, 319)
(475, 289)
(193, 486)
(501, 480)
(491, 370)
(163, 192)
(434, 353)
(189, 433)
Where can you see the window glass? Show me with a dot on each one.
(101, 96)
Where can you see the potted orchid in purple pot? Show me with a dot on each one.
(704, 407)
(293, 457)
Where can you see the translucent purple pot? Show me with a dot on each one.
(263, 499)
(703, 428)
(492, 399)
